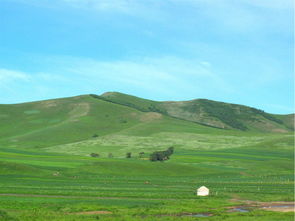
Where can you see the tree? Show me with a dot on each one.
(157, 156)
(110, 155)
(170, 150)
(94, 155)
(141, 154)
(162, 155)
(95, 135)
(128, 155)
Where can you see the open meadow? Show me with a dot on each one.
(39, 185)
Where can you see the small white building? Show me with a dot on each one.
(203, 191)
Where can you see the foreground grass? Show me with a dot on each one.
(26, 208)
(36, 185)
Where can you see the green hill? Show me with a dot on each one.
(67, 120)
(115, 119)
(210, 113)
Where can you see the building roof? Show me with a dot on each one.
(203, 188)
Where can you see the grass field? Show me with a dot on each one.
(46, 172)
(133, 189)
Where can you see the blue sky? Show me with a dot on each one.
(226, 50)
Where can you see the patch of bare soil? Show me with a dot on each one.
(79, 110)
(49, 103)
(150, 116)
(279, 206)
(186, 215)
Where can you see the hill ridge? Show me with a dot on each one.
(66, 120)
(206, 112)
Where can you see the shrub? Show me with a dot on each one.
(162, 155)
(94, 155)
(141, 154)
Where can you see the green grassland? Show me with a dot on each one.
(46, 172)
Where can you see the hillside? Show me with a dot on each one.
(210, 113)
(67, 120)
(47, 172)
(119, 121)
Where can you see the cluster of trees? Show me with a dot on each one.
(155, 156)
(162, 155)
(224, 112)
(110, 155)
(266, 115)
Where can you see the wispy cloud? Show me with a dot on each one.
(114, 5)
(11, 75)
(168, 75)
(241, 13)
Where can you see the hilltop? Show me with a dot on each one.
(210, 113)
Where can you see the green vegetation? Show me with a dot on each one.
(162, 155)
(94, 155)
(50, 169)
(209, 113)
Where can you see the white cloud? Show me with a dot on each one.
(273, 4)
(169, 75)
(10, 75)
(117, 5)
(234, 15)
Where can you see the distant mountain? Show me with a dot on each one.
(210, 113)
(73, 119)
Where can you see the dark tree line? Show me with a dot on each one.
(155, 156)
(162, 155)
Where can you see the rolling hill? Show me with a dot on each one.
(67, 120)
(113, 118)
(210, 113)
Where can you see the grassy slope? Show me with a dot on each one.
(287, 119)
(212, 113)
(249, 165)
(61, 121)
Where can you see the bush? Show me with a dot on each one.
(5, 217)
(94, 155)
(141, 154)
(162, 155)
